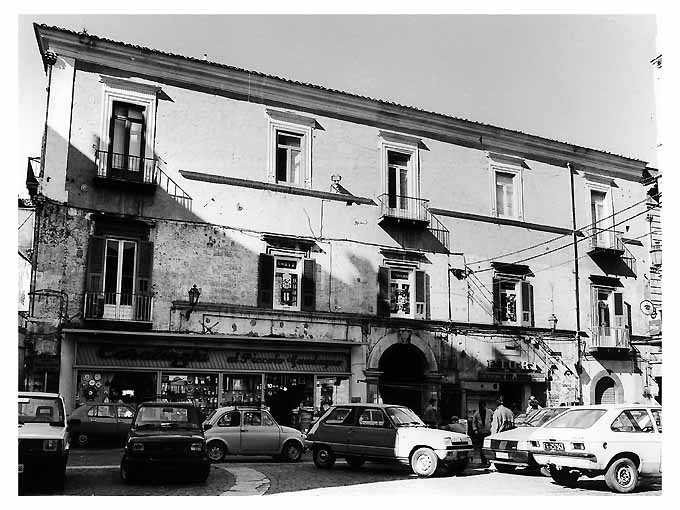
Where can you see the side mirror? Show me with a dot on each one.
(207, 426)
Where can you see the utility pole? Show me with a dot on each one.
(576, 287)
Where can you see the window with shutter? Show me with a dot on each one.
(308, 285)
(94, 296)
(421, 295)
(383, 305)
(265, 283)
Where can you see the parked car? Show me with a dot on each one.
(621, 442)
(250, 431)
(510, 449)
(383, 432)
(91, 422)
(165, 438)
(43, 438)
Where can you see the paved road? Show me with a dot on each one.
(95, 472)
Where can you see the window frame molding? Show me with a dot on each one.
(501, 163)
(125, 91)
(609, 214)
(299, 256)
(297, 124)
(403, 144)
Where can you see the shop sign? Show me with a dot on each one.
(523, 366)
(176, 357)
(485, 375)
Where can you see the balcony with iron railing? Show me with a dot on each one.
(411, 212)
(606, 244)
(609, 337)
(135, 170)
(116, 306)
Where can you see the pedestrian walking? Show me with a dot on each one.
(430, 416)
(481, 428)
(533, 404)
(503, 419)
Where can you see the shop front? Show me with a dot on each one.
(291, 379)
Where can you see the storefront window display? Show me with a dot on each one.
(286, 392)
(113, 386)
(241, 389)
(201, 389)
(331, 391)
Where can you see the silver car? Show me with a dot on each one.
(250, 431)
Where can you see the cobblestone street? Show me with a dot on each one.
(95, 472)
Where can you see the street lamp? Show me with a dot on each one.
(194, 294)
(553, 322)
(656, 254)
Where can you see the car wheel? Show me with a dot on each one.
(622, 475)
(504, 468)
(216, 451)
(355, 462)
(424, 462)
(82, 439)
(456, 468)
(323, 457)
(292, 452)
(563, 476)
(125, 473)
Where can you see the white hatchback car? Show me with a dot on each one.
(621, 442)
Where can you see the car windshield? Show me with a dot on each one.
(40, 410)
(167, 416)
(404, 417)
(541, 416)
(577, 419)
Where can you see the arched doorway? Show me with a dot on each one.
(605, 391)
(403, 376)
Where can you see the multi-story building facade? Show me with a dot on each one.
(338, 248)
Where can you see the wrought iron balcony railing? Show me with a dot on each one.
(118, 306)
(404, 208)
(134, 169)
(609, 337)
(603, 239)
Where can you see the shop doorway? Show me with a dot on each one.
(403, 376)
(132, 387)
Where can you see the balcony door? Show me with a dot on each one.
(119, 279)
(126, 141)
(400, 197)
(598, 213)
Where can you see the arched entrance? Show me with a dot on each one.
(605, 391)
(403, 376)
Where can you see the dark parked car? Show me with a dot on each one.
(91, 422)
(165, 438)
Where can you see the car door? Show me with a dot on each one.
(634, 430)
(656, 414)
(334, 429)
(259, 433)
(125, 415)
(105, 423)
(373, 435)
(228, 428)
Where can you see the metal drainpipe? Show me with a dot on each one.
(576, 285)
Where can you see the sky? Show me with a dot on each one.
(582, 79)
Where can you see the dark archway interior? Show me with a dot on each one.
(402, 381)
(605, 391)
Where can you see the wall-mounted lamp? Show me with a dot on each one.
(553, 322)
(655, 252)
(194, 294)
(568, 373)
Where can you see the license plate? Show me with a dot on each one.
(502, 455)
(554, 446)
(21, 468)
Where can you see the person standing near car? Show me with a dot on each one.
(481, 427)
(533, 404)
(502, 419)
(430, 416)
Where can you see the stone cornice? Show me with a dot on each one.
(271, 90)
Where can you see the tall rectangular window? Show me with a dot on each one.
(289, 155)
(398, 180)
(127, 137)
(119, 277)
(598, 214)
(505, 194)
(287, 275)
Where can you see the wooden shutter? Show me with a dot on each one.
(143, 294)
(94, 285)
(420, 295)
(497, 300)
(619, 318)
(308, 286)
(527, 303)
(427, 296)
(531, 300)
(383, 308)
(265, 281)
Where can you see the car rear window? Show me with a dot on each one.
(337, 416)
(577, 419)
(40, 410)
(543, 415)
